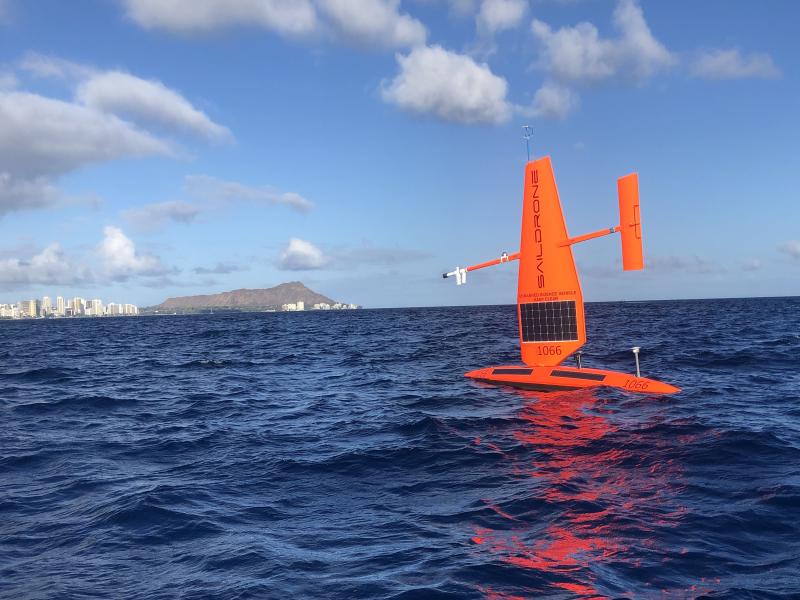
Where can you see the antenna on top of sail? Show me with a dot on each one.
(527, 134)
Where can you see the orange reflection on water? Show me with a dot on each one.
(586, 492)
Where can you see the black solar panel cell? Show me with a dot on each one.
(549, 321)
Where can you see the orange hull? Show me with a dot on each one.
(559, 378)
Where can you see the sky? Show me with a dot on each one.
(157, 148)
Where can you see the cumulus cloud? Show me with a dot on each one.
(373, 23)
(732, 64)
(22, 194)
(498, 15)
(211, 188)
(121, 261)
(579, 54)
(377, 23)
(791, 249)
(43, 138)
(156, 215)
(300, 255)
(450, 86)
(119, 93)
(126, 95)
(288, 17)
(50, 265)
(114, 259)
(553, 101)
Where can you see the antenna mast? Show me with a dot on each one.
(527, 133)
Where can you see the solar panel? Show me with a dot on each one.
(548, 321)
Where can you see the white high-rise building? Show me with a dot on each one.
(78, 306)
(292, 306)
(47, 306)
(97, 308)
(28, 308)
(60, 306)
(130, 309)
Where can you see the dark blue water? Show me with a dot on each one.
(343, 455)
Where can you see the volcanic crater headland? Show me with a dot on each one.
(274, 298)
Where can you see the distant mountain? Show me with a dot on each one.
(274, 297)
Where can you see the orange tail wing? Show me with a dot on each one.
(630, 222)
(549, 297)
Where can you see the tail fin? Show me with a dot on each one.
(630, 224)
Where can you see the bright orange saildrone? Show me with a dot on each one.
(549, 299)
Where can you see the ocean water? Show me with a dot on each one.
(343, 455)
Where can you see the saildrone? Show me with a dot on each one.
(550, 309)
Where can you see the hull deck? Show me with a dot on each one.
(558, 378)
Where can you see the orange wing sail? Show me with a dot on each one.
(549, 297)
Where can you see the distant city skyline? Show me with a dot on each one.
(159, 149)
(76, 306)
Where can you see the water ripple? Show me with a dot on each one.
(343, 455)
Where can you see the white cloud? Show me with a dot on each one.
(53, 67)
(119, 93)
(731, 64)
(44, 136)
(21, 194)
(373, 23)
(154, 216)
(118, 261)
(121, 261)
(498, 15)
(578, 54)
(377, 23)
(50, 265)
(449, 86)
(288, 17)
(553, 101)
(301, 255)
(791, 249)
(211, 188)
(126, 95)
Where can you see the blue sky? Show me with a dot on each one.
(153, 148)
